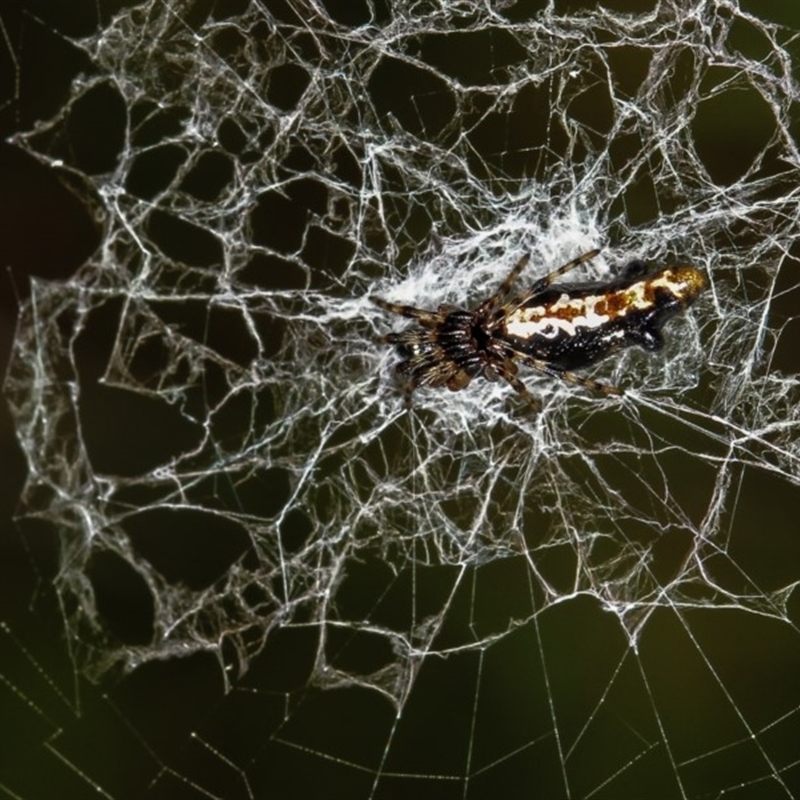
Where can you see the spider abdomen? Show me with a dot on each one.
(570, 327)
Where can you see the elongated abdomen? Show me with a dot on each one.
(573, 326)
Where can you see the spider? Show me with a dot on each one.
(553, 328)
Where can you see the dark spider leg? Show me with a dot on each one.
(540, 285)
(408, 391)
(408, 382)
(568, 376)
(508, 371)
(427, 318)
(505, 287)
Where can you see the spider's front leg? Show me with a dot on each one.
(505, 287)
(495, 301)
(427, 318)
(540, 285)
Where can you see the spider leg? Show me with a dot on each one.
(568, 376)
(508, 371)
(544, 282)
(540, 285)
(427, 318)
(505, 287)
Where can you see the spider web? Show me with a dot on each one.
(598, 599)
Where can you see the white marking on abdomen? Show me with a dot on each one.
(541, 321)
